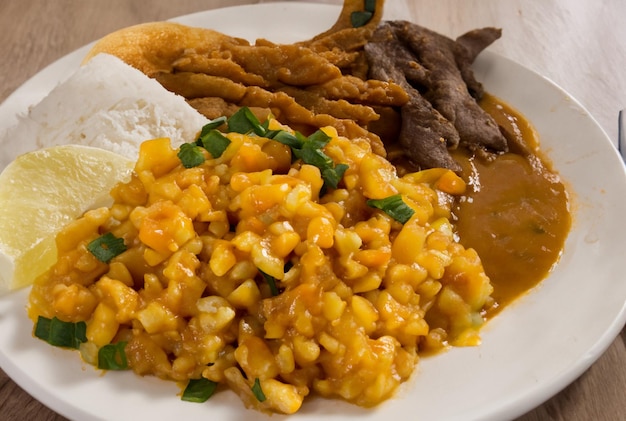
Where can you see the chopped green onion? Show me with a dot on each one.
(311, 153)
(358, 19)
(308, 149)
(199, 390)
(212, 125)
(106, 247)
(214, 142)
(258, 392)
(312, 156)
(244, 121)
(286, 138)
(59, 333)
(113, 357)
(271, 281)
(332, 176)
(318, 140)
(393, 206)
(190, 155)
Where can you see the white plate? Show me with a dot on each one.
(533, 349)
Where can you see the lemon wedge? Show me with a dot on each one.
(42, 191)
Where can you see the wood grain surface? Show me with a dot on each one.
(580, 44)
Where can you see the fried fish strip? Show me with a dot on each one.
(198, 85)
(217, 66)
(200, 63)
(343, 34)
(154, 47)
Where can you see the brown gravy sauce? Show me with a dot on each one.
(515, 212)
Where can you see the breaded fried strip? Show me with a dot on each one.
(289, 112)
(340, 108)
(214, 107)
(153, 47)
(371, 92)
(198, 85)
(199, 63)
(217, 66)
(287, 64)
(344, 21)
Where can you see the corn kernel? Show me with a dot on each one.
(332, 305)
(365, 312)
(285, 359)
(74, 302)
(121, 297)
(376, 175)
(305, 350)
(284, 398)
(119, 271)
(256, 359)
(245, 241)
(329, 343)
(373, 258)
(157, 156)
(284, 244)
(245, 295)
(409, 242)
(321, 231)
(347, 242)
(193, 202)
(267, 262)
(311, 175)
(103, 325)
(165, 227)
(155, 318)
(222, 258)
(369, 282)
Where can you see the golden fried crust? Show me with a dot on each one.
(153, 47)
(344, 21)
(204, 65)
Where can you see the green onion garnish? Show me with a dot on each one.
(190, 155)
(244, 121)
(214, 142)
(393, 206)
(113, 357)
(361, 18)
(258, 392)
(358, 19)
(199, 390)
(310, 152)
(286, 138)
(332, 176)
(106, 247)
(212, 125)
(308, 149)
(59, 333)
(271, 281)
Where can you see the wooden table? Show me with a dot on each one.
(579, 44)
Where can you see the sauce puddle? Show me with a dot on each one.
(515, 212)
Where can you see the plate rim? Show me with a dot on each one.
(532, 396)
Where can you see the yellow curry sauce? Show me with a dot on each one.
(515, 211)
